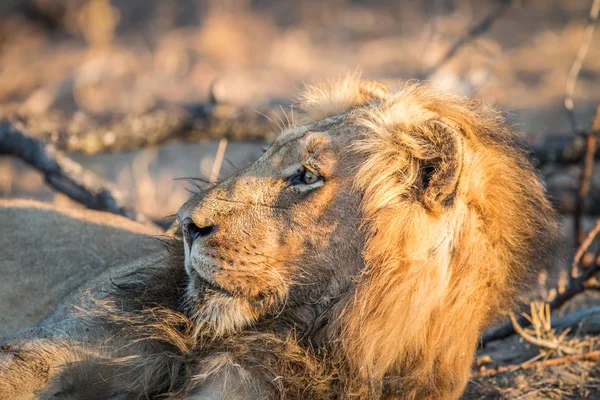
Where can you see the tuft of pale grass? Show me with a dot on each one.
(550, 342)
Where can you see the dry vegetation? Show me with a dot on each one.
(103, 75)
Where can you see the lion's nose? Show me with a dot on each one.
(191, 231)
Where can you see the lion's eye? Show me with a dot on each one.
(306, 177)
(309, 177)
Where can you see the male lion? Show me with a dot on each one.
(360, 257)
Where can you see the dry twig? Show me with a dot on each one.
(578, 63)
(62, 173)
(589, 356)
(216, 169)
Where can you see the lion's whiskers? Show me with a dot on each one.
(289, 124)
(277, 125)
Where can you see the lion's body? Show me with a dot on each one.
(42, 259)
(360, 257)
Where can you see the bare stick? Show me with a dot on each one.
(578, 63)
(62, 173)
(586, 178)
(216, 168)
(471, 35)
(589, 356)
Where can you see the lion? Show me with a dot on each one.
(359, 257)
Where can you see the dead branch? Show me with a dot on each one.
(62, 173)
(578, 63)
(574, 286)
(203, 121)
(589, 356)
(477, 30)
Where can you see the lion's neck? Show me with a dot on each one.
(310, 323)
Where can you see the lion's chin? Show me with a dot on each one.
(217, 312)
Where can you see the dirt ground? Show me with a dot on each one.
(101, 59)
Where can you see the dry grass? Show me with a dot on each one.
(550, 342)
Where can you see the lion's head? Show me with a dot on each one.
(392, 226)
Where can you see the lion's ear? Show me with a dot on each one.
(442, 165)
(371, 90)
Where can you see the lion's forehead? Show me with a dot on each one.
(333, 125)
(290, 144)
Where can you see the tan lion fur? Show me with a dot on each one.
(374, 282)
(49, 251)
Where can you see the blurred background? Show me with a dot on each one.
(102, 60)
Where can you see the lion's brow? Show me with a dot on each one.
(320, 125)
(253, 204)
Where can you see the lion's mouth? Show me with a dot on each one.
(203, 285)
